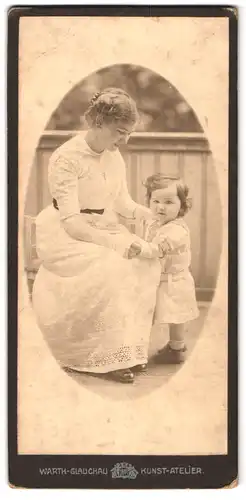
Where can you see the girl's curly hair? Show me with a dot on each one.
(160, 181)
(111, 104)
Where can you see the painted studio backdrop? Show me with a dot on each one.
(168, 139)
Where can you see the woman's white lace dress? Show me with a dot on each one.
(93, 306)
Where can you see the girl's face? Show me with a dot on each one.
(165, 203)
(115, 134)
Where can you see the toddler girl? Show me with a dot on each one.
(168, 238)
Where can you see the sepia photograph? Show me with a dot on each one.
(123, 201)
(97, 212)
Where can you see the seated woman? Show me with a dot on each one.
(93, 305)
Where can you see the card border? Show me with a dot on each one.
(218, 470)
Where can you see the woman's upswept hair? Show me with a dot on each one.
(160, 181)
(111, 104)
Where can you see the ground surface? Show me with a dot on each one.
(168, 410)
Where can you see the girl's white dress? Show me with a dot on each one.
(176, 299)
(94, 307)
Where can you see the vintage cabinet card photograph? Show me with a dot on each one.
(122, 197)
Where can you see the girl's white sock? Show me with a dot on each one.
(177, 345)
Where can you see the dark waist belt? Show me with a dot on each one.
(99, 211)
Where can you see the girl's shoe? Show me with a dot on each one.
(169, 356)
(139, 368)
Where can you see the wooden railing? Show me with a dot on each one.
(188, 155)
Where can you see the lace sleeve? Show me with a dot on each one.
(63, 174)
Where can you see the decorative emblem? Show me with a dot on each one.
(124, 471)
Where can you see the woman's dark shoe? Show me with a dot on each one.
(139, 368)
(169, 356)
(123, 376)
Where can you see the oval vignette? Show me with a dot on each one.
(170, 139)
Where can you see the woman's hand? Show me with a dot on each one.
(111, 227)
(134, 250)
(144, 213)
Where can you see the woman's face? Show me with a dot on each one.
(116, 134)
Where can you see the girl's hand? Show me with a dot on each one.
(134, 250)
